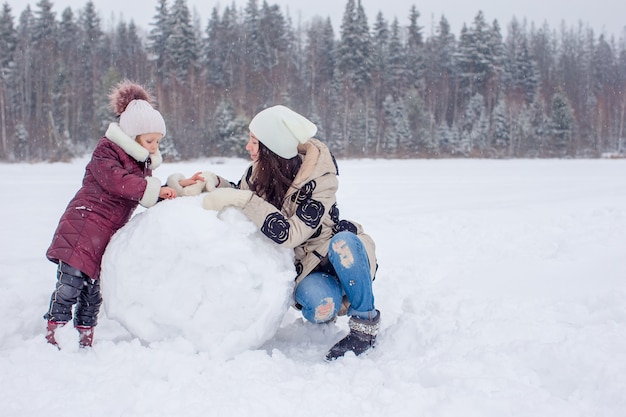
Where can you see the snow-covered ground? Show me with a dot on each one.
(502, 287)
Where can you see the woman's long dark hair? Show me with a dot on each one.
(273, 175)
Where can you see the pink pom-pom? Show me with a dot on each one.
(125, 92)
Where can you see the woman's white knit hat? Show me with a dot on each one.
(281, 130)
(140, 118)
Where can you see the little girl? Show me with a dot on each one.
(117, 178)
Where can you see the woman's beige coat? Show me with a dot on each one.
(309, 217)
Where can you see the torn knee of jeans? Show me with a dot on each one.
(325, 311)
(344, 253)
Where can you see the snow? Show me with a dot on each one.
(501, 287)
(177, 271)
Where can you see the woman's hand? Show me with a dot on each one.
(223, 197)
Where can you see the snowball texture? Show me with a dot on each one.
(163, 278)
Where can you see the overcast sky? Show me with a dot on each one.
(604, 16)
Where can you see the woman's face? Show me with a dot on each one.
(150, 141)
(253, 147)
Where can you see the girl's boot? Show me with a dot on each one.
(51, 328)
(85, 336)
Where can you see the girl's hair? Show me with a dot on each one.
(125, 92)
(273, 176)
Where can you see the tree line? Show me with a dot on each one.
(385, 90)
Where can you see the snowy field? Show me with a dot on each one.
(502, 287)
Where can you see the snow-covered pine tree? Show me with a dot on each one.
(230, 131)
(606, 90)
(92, 60)
(157, 39)
(440, 77)
(414, 50)
(406, 139)
(275, 55)
(561, 124)
(396, 70)
(8, 43)
(389, 140)
(318, 69)
(354, 69)
(8, 37)
(181, 44)
(44, 56)
(501, 131)
(380, 74)
(213, 56)
(22, 139)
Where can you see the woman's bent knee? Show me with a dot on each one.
(320, 296)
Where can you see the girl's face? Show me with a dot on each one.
(150, 141)
(253, 147)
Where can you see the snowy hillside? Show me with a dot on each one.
(502, 287)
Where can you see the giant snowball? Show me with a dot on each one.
(179, 271)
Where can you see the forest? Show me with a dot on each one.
(381, 89)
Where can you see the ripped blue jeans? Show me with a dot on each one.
(320, 294)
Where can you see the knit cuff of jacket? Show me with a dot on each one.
(151, 195)
(173, 182)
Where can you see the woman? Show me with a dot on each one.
(289, 192)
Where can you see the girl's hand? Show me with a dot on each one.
(191, 181)
(167, 193)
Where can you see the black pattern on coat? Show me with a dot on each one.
(345, 225)
(276, 227)
(310, 212)
(341, 225)
(334, 213)
(305, 193)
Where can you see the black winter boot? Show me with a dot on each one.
(361, 337)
